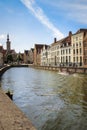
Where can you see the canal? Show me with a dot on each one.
(51, 101)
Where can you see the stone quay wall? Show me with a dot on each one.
(62, 69)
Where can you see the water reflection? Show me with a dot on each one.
(50, 100)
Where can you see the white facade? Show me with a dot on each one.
(70, 51)
(58, 54)
(45, 56)
(55, 54)
(65, 55)
(77, 51)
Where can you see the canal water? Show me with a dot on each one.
(50, 100)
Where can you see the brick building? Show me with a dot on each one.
(37, 54)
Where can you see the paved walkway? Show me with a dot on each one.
(11, 117)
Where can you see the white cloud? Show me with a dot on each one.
(40, 15)
(2, 36)
(75, 10)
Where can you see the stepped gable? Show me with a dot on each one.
(26, 52)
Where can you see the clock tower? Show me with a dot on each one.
(8, 44)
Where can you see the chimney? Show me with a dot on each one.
(70, 33)
(55, 40)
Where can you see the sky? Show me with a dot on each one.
(30, 22)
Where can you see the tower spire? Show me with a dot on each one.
(7, 37)
(8, 44)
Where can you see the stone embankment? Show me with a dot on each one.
(70, 70)
(11, 117)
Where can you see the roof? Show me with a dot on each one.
(26, 52)
(64, 40)
(40, 46)
(81, 30)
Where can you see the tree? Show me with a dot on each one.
(19, 59)
(9, 58)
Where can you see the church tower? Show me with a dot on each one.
(8, 44)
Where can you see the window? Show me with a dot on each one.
(80, 44)
(66, 51)
(76, 44)
(57, 52)
(69, 59)
(80, 59)
(61, 59)
(76, 38)
(66, 59)
(77, 51)
(77, 59)
(61, 52)
(80, 50)
(74, 51)
(69, 51)
(80, 37)
(74, 59)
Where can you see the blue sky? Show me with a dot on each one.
(30, 22)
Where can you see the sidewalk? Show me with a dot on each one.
(11, 117)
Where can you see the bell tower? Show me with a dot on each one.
(8, 44)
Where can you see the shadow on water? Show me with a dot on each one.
(73, 116)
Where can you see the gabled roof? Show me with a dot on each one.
(64, 40)
(39, 46)
(81, 30)
(26, 52)
(58, 42)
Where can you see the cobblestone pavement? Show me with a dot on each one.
(11, 117)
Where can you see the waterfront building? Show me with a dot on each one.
(70, 51)
(55, 53)
(79, 48)
(48, 55)
(61, 52)
(45, 55)
(26, 56)
(85, 50)
(65, 51)
(37, 54)
(1, 56)
(31, 56)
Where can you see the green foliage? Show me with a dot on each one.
(9, 58)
